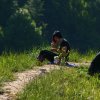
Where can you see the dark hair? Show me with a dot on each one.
(57, 34)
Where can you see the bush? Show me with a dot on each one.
(21, 31)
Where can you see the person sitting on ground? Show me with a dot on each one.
(95, 66)
(59, 47)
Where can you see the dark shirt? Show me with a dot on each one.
(65, 43)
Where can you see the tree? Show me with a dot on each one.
(7, 8)
(36, 9)
(78, 20)
(21, 31)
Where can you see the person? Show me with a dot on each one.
(95, 65)
(60, 48)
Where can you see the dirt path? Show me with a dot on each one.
(12, 88)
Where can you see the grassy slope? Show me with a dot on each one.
(65, 84)
(75, 56)
(12, 63)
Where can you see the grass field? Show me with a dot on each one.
(13, 62)
(76, 56)
(64, 84)
(42, 88)
(17, 62)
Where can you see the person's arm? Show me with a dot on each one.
(63, 52)
(53, 47)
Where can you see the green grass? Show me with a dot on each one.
(76, 56)
(17, 62)
(11, 63)
(64, 84)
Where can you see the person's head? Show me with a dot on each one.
(56, 36)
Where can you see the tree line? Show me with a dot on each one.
(27, 23)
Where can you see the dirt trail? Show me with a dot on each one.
(23, 78)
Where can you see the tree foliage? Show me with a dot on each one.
(7, 8)
(21, 31)
(77, 20)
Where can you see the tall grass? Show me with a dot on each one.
(64, 84)
(11, 63)
(76, 56)
(17, 62)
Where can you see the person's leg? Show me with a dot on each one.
(41, 57)
(45, 54)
